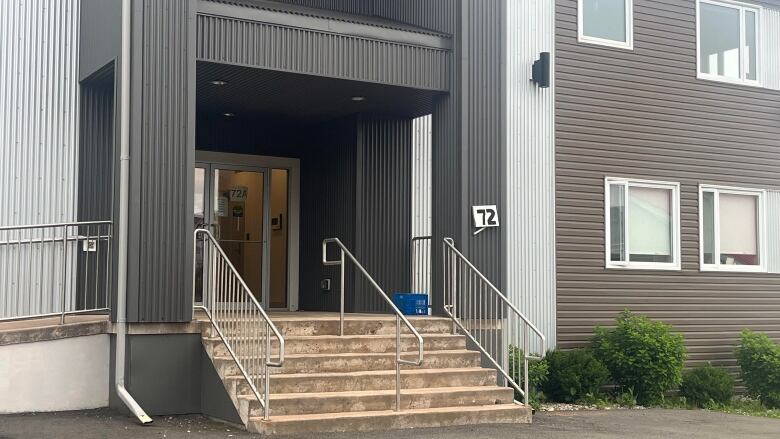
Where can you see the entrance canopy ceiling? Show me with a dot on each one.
(247, 91)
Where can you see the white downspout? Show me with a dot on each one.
(124, 188)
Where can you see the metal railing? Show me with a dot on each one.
(55, 269)
(479, 310)
(236, 315)
(421, 266)
(399, 317)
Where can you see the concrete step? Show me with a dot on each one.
(333, 344)
(370, 380)
(384, 325)
(373, 400)
(388, 420)
(354, 362)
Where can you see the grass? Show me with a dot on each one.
(738, 406)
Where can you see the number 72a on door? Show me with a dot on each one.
(484, 217)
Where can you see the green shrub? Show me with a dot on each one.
(573, 375)
(537, 375)
(642, 356)
(759, 359)
(707, 385)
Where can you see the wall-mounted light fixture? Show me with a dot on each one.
(540, 73)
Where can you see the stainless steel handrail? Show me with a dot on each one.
(41, 264)
(234, 313)
(477, 312)
(399, 317)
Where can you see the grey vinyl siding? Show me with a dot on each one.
(316, 52)
(162, 162)
(642, 113)
(384, 200)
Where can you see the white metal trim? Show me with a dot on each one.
(762, 238)
(629, 23)
(675, 265)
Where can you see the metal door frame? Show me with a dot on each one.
(240, 162)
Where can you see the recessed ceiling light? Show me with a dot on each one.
(358, 98)
(228, 114)
(218, 82)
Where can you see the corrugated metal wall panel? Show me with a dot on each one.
(469, 141)
(327, 211)
(773, 231)
(38, 145)
(437, 15)
(530, 209)
(421, 176)
(643, 114)
(484, 87)
(39, 121)
(770, 53)
(162, 161)
(292, 49)
(383, 202)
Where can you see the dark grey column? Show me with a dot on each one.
(469, 145)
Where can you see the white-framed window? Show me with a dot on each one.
(731, 229)
(727, 41)
(606, 22)
(642, 220)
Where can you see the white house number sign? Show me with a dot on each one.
(484, 217)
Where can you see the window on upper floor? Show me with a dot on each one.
(731, 228)
(606, 22)
(728, 39)
(642, 224)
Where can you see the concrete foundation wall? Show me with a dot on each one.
(56, 375)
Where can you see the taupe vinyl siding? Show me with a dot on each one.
(642, 113)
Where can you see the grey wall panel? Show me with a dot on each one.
(292, 49)
(39, 121)
(215, 402)
(469, 143)
(161, 162)
(164, 372)
(39, 103)
(100, 35)
(437, 15)
(421, 176)
(530, 209)
(770, 48)
(383, 203)
(643, 114)
(484, 89)
(327, 211)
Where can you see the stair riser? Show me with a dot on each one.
(325, 364)
(282, 384)
(403, 420)
(355, 345)
(351, 327)
(301, 406)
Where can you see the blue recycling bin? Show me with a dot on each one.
(411, 304)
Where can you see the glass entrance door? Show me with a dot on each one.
(246, 210)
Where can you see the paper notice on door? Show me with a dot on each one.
(222, 205)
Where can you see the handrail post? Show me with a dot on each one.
(64, 273)
(267, 397)
(397, 363)
(341, 284)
